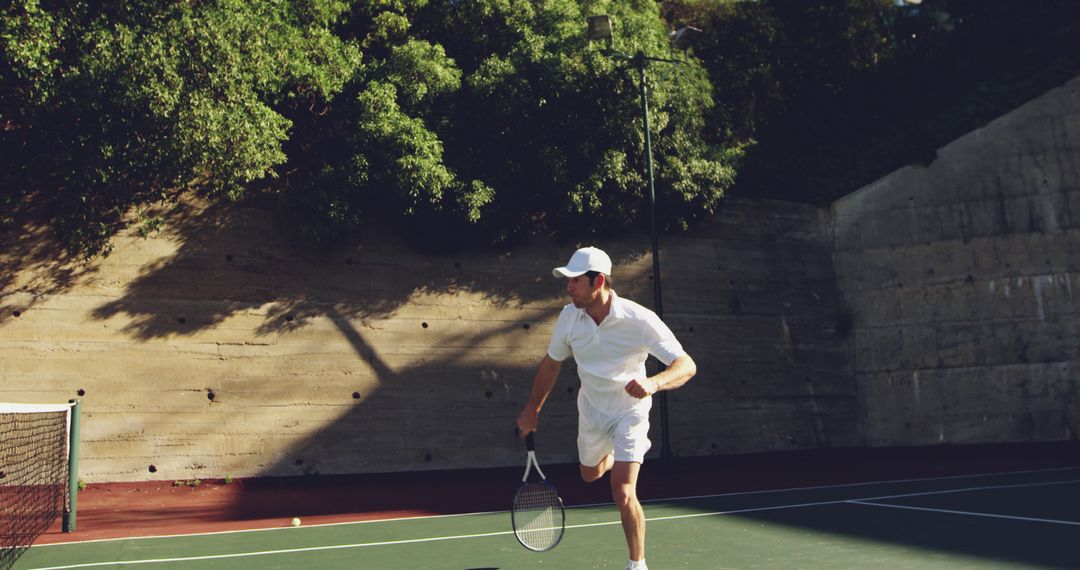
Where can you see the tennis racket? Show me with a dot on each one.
(537, 515)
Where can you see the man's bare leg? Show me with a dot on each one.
(594, 472)
(624, 475)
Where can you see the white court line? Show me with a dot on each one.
(862, 484)
(719, 513)
(967, 513)
(866, 501)
(970, 489)
(269, 529)
(588, 505)
(272, 552)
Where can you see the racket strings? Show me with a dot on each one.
(538, 516)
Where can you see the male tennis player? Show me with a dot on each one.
(610, 338)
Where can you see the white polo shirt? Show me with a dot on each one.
(612, 354)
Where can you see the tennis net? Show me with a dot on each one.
(37, 479)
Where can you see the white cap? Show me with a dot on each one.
(583, 260)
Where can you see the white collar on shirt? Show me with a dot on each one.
(617, 311)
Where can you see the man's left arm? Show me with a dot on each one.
(679, 372)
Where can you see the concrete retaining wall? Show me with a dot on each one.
(960, 275)
(215, 348)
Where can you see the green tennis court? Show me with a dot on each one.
(1024, 519)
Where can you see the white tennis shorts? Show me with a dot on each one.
(626, 435)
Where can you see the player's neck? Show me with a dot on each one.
(600, 307)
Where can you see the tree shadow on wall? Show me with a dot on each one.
(33, 266)
(448, 343)
(232, 260)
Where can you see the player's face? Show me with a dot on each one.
(581, 293)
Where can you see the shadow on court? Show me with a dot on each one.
(1000, 524)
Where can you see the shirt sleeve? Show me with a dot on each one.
(660, 341)
(559, 346)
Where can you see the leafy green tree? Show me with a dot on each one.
(487, 119)
(497, 119)
(112, 104)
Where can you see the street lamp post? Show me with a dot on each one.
(641, 61)
(658, 298)
(600, 29)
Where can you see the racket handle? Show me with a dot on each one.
(529, 443)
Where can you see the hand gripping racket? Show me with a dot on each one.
(537, 515)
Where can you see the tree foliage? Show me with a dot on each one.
(495, 119)
(484, 120)
(489, 118)
(111, 104)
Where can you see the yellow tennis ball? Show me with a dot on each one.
(296, 521)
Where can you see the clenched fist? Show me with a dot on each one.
(642, 389)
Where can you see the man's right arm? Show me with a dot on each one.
(546, 375)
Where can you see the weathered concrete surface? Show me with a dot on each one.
(753, 296)
(215, 348)
(960, 278)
